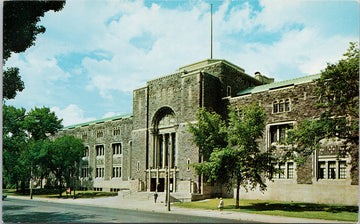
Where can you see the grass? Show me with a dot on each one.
(54, 193)
(277, 208)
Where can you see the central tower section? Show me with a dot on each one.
(161, 111)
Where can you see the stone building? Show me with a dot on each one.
(131, 153)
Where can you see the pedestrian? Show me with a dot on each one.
(221, 205)
(155, 196)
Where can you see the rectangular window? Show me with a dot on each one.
(282, 169)
(290, 170)
(116, 172)
(100, 150)
(116, 131)
(342, 170)
(322, 170)
(278, 133)
(86, 152)
(85, 172)
(100, 172)
(332, 170)
(116, 148)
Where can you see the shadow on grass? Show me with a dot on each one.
(296, 207)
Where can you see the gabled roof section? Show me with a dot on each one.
(278, 85)
(98, 121)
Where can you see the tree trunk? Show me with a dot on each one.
(237, 193)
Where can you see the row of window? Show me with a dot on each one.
(100, 150)
(335, 169)
(286, 170)
(100, 172)
(281, 106)
(100, 134)
(332, 170)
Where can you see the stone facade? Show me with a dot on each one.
(133, 152)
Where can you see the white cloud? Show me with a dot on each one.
(72, 114)
(170, 38)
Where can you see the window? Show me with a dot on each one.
(322, 170)
(100, 150)
(116, 148)
(116, 172)
(85, 172)
(287, 105)
(188, 165)
(100, 172)
(281, 106)
(282, 169)
(138, 166)
(286, 170)
(97, 189)
(332, 169)
(116, 131)
(99, 134)
(342, 170)
(275, 107)
(86, 152)
(84, 135)
(278, 133)
(290, 170)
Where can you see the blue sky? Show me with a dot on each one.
(95, 52)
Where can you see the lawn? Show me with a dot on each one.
(289, 209)
(54, 193)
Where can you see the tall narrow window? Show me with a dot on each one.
(287, 105)
(342, 170)
(322, 170)
(116, 172)
(116, 147)
(138, 166)
(332, 170)
(281, 106)
(100, 150)
(86, 151)
(275, 107)
(282, 169)
(290, 170)
(188, 165)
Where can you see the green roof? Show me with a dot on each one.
(98, 121)
(277, 85)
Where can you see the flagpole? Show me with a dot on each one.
(211, 40)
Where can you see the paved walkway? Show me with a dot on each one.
(149, 205)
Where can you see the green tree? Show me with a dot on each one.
(20, 29)
(240, 161)
(337, 91)
(14, 141)
(61, 157)
(209, 132)
(41, 123)
(20, 131)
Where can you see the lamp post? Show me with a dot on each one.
(168, 183)
(31, 195)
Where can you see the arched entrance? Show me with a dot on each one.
(163, 149)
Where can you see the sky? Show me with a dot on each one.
(94, 53)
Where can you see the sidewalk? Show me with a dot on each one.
(149, 205)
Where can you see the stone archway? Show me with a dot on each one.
(164, 126)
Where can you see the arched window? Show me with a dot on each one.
(275, 107)
(281, 106)
(287, 105)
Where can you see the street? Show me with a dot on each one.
(17, 210)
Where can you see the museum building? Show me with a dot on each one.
(131, 153)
